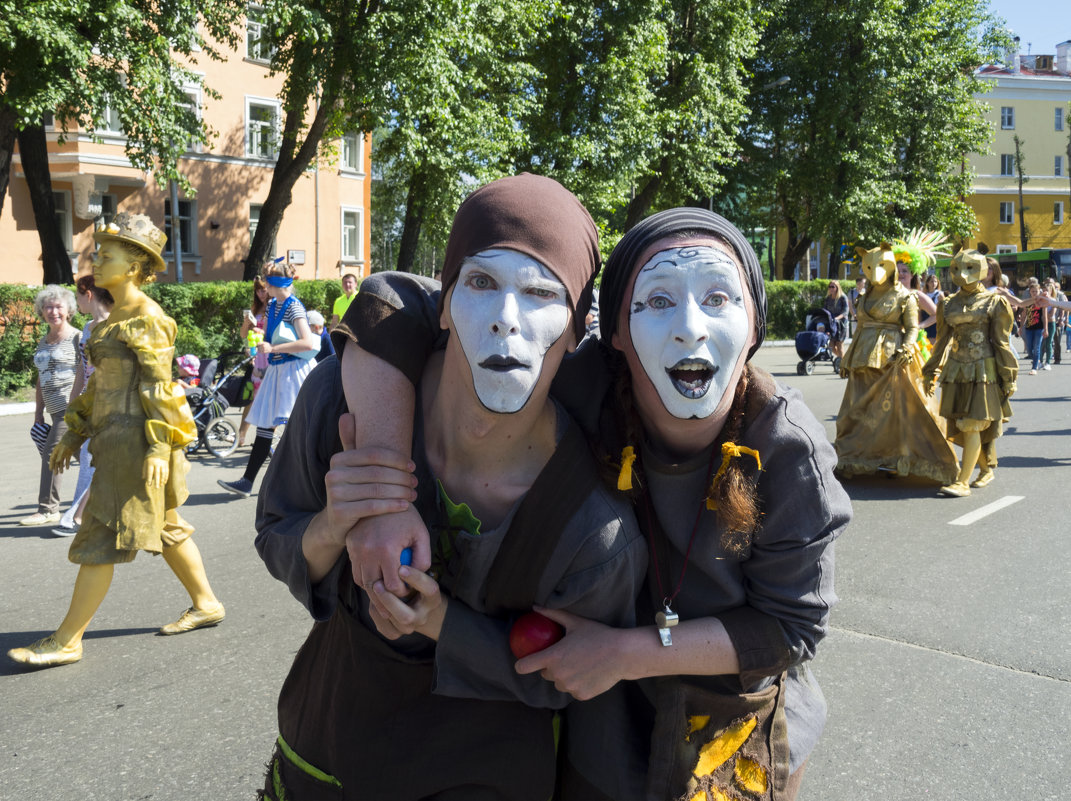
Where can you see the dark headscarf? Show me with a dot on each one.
(624, 261)
(536, 216)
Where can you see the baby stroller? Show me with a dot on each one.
(812, 344)
(209, 402)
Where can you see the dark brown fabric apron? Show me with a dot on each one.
(364, 713)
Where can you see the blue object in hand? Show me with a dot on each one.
(407, 556)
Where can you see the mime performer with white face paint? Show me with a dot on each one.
(418, 698)
(732, 481)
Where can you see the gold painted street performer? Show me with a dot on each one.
(137, 421)
(885, 421)
(975, 367)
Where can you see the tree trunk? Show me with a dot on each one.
(1023, 239)
(834, 263)
(641, 202)
(289, 166)
(797, 246)
(34, 154)
(7, 149)
(415, 207)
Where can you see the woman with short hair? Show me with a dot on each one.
(60, 377)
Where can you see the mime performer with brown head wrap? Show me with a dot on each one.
(731, 477)
(418, 698)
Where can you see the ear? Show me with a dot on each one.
(860, 252)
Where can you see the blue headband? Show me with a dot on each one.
(279, 280)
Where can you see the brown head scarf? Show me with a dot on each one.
(536, 216)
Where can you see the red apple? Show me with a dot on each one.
(533, 632)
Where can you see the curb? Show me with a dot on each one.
(7, 409)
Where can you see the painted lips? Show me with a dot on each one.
(692, 377)
(502, 364)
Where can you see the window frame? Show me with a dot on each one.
(358, 228)
(275, 126)
(252, 20)
(1058, 166)
(187, 227)
(63, 200)
(1007, 118)
(1059, 121)
(355, 164)
(1010, 207)
(1007, 165)
(1058, 212)
(1001, 249)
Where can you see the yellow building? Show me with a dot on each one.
(325, 230)
(1029, 98)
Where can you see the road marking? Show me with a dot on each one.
(986, 510)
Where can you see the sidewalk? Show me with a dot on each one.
(7, 409)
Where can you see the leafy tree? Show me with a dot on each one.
(869, 136)
(77, 58)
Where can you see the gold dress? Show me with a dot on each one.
(131, 410)
(976, 366)
(886, 422)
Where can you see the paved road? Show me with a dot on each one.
(948, 670)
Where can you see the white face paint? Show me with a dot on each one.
(689, 325)
(507, 310)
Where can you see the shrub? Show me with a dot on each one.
(208, 315)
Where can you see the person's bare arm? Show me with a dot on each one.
(382, 401)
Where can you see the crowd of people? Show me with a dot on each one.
(630, 475)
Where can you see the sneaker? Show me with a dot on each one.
(243, 487)
(47, 653)
(65, 531)
(41, 519)
(1047, 367)
(195, 619)
(1033, 372)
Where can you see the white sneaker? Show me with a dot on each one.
(1046, 367)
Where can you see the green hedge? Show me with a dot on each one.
(208, 315)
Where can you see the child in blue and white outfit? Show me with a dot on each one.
(291, 347)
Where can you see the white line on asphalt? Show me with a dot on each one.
(986, 510)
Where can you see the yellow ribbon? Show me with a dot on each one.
(729, 450)
(624, 478)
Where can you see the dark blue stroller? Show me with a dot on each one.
(813, 344)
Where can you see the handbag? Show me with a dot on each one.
(285, 332)
(39, 435)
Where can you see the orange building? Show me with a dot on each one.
(324, 232)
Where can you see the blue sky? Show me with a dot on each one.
(1040, 23)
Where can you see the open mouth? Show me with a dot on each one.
(692, 377)
(502, 364)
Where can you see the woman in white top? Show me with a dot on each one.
(59, 378)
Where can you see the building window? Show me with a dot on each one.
(351, 234)
(1058, 213)
(257, 39)
(193, 104)
(1059, 122)
(62, 201)
(254, 220)
(186, 217)
(1058, 166)
(109, 121)
(1007, 164)
(48, 119)
(109, 204)
(262, 129)
(1007, 212)
(1005, 249)
(1007, 117)
(352, 143)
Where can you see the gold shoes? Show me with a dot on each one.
(195, 619)
(47, 652)
(984, 478)
(40, 519)
(956, 490)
